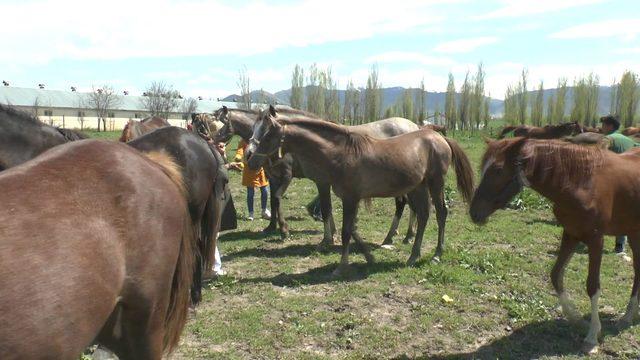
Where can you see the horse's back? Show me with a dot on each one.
(73, 225)
(385, 128)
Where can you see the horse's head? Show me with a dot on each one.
(226, 131)
(502, 178)
(267, 138)
(126, 132)
(201, 126)
(575, 128)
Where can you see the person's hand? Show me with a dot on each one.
(234, 166)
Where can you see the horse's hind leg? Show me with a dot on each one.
(400, 204)
(419, 202)
(632, 308)
(411, 228)
(327, 215)
(567, 246)
(593, 290)
(350, 211)
(436, 188)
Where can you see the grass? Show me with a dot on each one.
(281, 301)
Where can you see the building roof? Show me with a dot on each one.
(18, 96)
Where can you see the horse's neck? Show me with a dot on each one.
(305, 142)
(242, 124)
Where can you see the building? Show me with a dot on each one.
(71, 109)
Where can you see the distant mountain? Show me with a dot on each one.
(435, 100)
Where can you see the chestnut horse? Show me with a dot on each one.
(282, 171)
(134, 128)
(361, 167)
(594, 192)
(546, 132)
(631, 131)
(96, 246)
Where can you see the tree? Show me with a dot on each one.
(188, 107)
(559, 105)
(372, 96)
(160, 99)
(244, 84)
(102, 100)
(627, 99)
(316, 86)
(406, 108)
(537, 107)
(585, 100)
(297, 88)
(332, 102)
(420, 104)
(82, 105)
(613, 105)
(521, 97)
(510, 105)
(351, 108)
(550, 110)
(486, 115)
(464, 106)
(450, 112)
(477, 97)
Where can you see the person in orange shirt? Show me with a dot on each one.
(252, 179)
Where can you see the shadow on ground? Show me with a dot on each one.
(324, 274)
(546, 338)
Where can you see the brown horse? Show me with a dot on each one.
(630, 131)
(361, 167)
(546, 132)
(134, 129)
(439, 128)
(96, 246)
(594, 192)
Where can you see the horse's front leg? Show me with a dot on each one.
(593, 290)
(324, 191)
(567, 246)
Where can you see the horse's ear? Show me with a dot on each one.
(272, 111)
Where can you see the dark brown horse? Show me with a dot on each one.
(281, 171)
(22, 137)
(96, 246)
(594, 192)
(134, 128)
(360, 167)
(631, 131)
(439, 128)
(546, 132)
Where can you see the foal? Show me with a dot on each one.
(360, 167)
(594, 192)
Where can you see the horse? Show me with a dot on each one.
(134, 129)
(435, 127)
(546, 132)
(96, 246)
(206, 125)
(594, 192)
(22, 136)
(360, 167)
(282, 171)
(201, 168)
(631, 131)
(207, 192)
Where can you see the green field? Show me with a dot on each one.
(281, 301)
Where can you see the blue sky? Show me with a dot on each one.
(199, 46)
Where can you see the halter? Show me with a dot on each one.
(256, 142)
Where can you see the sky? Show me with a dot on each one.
(199, 47)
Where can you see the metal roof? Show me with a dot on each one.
(18, 96)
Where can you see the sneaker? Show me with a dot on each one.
(250, 217)
(266, 214)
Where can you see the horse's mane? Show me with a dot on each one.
(23, 115)
(281, 109)
(72, 135)
(358, 143)
(563, 164)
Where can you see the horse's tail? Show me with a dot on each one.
(464, 172)
(506, 130)
(176, 316)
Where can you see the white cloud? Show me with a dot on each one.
(79, 29)
(464, 45)
(408, 57)
(517, 8)
(628, 51)
(624, 28)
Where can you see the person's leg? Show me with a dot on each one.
(250, 193)
(620, 240)
(264, 197)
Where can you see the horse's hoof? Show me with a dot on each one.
(589, 348)
(435, 259)
(370, 259)
(269, 229)
(406, 240)
(412, 261)
(387, 241)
